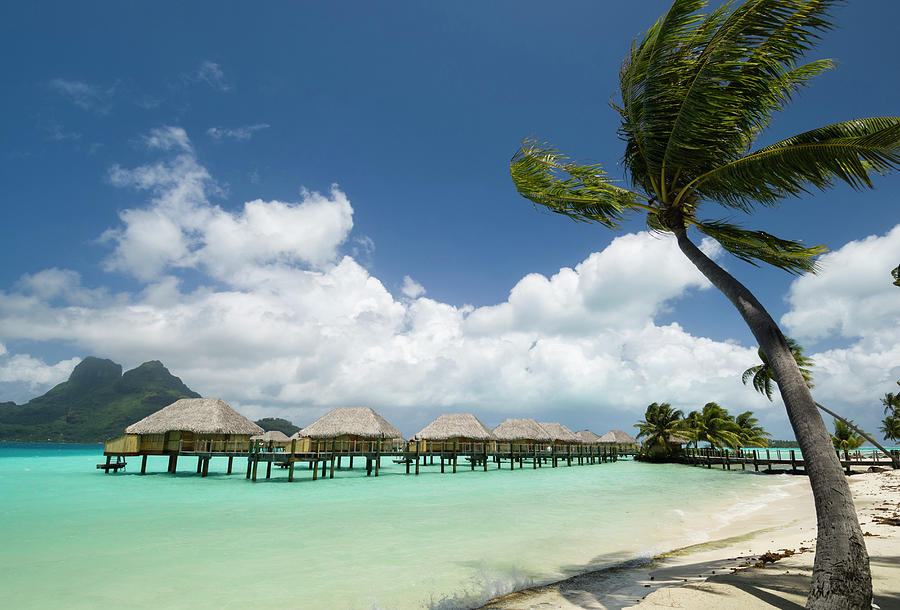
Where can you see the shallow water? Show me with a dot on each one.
(74, 537)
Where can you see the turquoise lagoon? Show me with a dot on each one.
(77, 538)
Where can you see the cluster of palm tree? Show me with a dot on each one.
(667, 428)
(890, 425)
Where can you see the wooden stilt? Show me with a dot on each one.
(418, 447)
(108, 459)
(206, 466)
(315, 469)
(324, 466)
(269, 469)
(484, 455)
(291, 471)
(333, 459)
(442, 459)
(255, 464)
(351, 462)
(230, 460)
(368, 466)
(143, 464)
(378, 457)
(199, 464)
(174, 464)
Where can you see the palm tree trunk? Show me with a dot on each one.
(841, 576)
(895, 463)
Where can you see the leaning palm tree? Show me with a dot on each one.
(751, 433)
(660, 424)
(763, 378)
(695, 92)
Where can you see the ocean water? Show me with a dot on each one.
(74, 537)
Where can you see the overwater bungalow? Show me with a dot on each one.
(520, 437)
(587, 437)
(187, 426)
(349, 429)
(452, 434)
(623, 441)
(560, 435)
(563, 442)
(454, 431)
(272, 439)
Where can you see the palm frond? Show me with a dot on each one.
(850, 151)
(646, 82)
(752, 246)
(697, 88)
(581, 192)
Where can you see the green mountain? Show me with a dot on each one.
(277, 423)
(95, 404)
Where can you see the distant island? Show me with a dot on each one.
(96, 403)
(277, 423)
(784, 444)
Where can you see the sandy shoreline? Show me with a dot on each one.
(723, 574)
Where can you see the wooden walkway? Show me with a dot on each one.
(776, 460)
(329, 461)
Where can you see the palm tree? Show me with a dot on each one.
(845, 437)
(715, 426)
(751, 433)
(695, 92)
(764, 379)
(661, 422)
(890, 427)
(891, 401)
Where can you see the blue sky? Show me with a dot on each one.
(388, 260)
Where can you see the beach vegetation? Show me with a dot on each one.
(713, 425)
(845, 438)
(663, 429)
(695, 92)
(751, 433)
(890, 425)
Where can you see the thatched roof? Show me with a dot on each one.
(271, 435)
(455, 425)
(618, 436)
(197, 415)
(296, 435)
(559, 432)
(353, 421)
(520, 430)
(586, 436)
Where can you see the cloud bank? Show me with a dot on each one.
(285, 320)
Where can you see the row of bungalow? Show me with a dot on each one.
(205, 427)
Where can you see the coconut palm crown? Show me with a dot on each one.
(661, 423)
(695, 92)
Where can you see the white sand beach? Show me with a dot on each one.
(737, 570)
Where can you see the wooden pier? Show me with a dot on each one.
(777, 460)
(324, 457)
